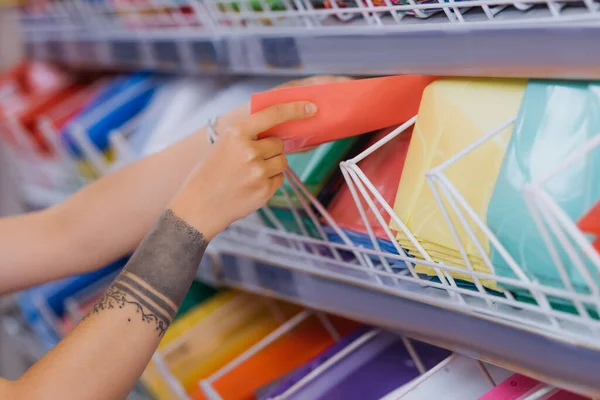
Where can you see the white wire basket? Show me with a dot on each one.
(461, 287)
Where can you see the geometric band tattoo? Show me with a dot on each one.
(158, 275)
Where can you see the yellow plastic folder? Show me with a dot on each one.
(453, 114)
(209, 337)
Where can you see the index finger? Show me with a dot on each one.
(266, 119)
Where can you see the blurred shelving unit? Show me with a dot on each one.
(472, 38)
(537, 38)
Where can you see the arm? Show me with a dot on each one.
(102, 222)
(105, 355)
(108, 218)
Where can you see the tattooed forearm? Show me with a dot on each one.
(159, 274)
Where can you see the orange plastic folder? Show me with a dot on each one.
(290, 351)
(345, 108)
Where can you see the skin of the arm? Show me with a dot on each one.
(108, 218)
(107, 352)
(105, 355)
(102, 222)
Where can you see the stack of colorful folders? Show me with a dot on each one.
(383, 168)
(369, 371)
(315, 168)
(454, 113)
(287, 353)
(209, 336)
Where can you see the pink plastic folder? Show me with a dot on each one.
(345, 108)
(519, 387)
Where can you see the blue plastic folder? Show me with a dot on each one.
(99, 123)
(555, 119)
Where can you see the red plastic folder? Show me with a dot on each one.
(590, 223)
(384, 170)
(345, 108)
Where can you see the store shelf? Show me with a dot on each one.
(540, 42)
(287, 274)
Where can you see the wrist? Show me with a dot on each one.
(200, 218)
(231, 118)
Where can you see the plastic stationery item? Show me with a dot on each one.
(346, 108)
(195, 315)
(286, 353)
(42, 109)
(314, 168)
(556, 118)
(519, 387)
(118, 103)
(28, 85)
(198, 294)
(458, 377)
(210, 336)
(235, 95)
(64, 106)
(453, 114)
(363, 240)
(590, 223)
(295, 376)
(28, 92)
(174, 102)
(55, 293)
(384, 169)
(378, 365)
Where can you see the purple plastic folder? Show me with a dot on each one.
(371, 371)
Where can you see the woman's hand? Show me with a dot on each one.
(240, 173)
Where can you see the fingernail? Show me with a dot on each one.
(310, 108)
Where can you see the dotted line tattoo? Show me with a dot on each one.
(158, 275)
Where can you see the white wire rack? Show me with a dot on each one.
(305, 247)
(313, 36)
(393, 270)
